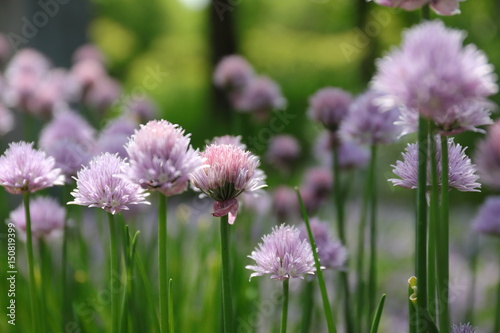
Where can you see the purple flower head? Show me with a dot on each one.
(441, 7)
(351, 155)
(88, 52)
(70, 156)
(6, 120)
(47, 218)
(433, 73)
(368, 123)
(285, 204)
(283, 151)
(5, 49)
(141, 109)
(101, 185)
(115, 135)
(24, 169)
(103, 94)
(487, 157)
(233, 73)
(87, 73)
(228, 172)
(283, 254)
(161, 157)
(260, 96)
(228, 140)
(455, 120)
(487, 220)
(463, 328)
(329, 106)
(319, 181)
(461, 172)
(67, 125)
(332, 254)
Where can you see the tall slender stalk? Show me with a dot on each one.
(227, 303)
(162, 261)
(443, 244)
(497, 310)
(339, 206)
(421, 234)
(308, 302)
(372, 277)
(65, 300)
(113, 260)
(433, 227)
(44, 265)
(324, 295)
(378, 315)
(31, 264)
(284, 311)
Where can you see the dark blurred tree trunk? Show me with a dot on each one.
(367, 63)
(223, 43)
(55, 27)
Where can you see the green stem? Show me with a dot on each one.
(308, 301)
(44, 273)
(170, 306)
(31, 264)
(113, 259)
(227, 303)
(162, 261)
(372, 277)
(421, 234)
(148, 291)
(443, 244)
(284, 313)
(64, 264)
(497, 310)
(433, 226)
(412, 314)
(324, 295)
(378, 314)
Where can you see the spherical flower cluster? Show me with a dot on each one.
(487, 220)
(487, 158)
(103, 93)
(351, 155)
(441, 7)
(228, 140)
(6, 120)
(260, 95)
(461, 171)
(283, 254)
(285, 204)
(329, 106)
(140, 109)
(463, 328)
(24, 169)
(47, 218)
(88, 52)
(331, 254)
(434, 74)
(283, 151)
(70, 140)
(161, 157)
(101, 184)
(115, 135)
(228, 172)
(233, 72)
(368, 123)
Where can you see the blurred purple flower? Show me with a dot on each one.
(283, 151)
(88, 52)
(161, 157)
(6, 120)
(5, 49)
(87, 73)
(329, 106)
(100, 185)
(487, 220)
(463, 328)
(233, 73)
(319, 180)
(443, 77)
(103, 94)
(332, 254)
(228, 171)
(24, 169)
(115, 135)
(461, 171)
(283, 255)
(228, 140)
(285, 204)
(441, 7)
(487, 157)
(367, 123)
(140, 109)
(47, 218)
(70, 156)
(351, 155)
(260, 96)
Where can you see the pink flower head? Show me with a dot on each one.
(461, 172)
(24, 169)
(87, 73)
(320, 181)
(115, 135)
(433, 73)
(233, 73)
(101, 185)
(329, 106)
(228, 140)
(260, 96)
(140, 109)
(161, 157)
(283, 151)
(47, 218)
(88, 52)
(228, 172)
(6, 120)
(103, 94)
(441, 7)
(487, 157)
(283, 255)
(285, 204)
